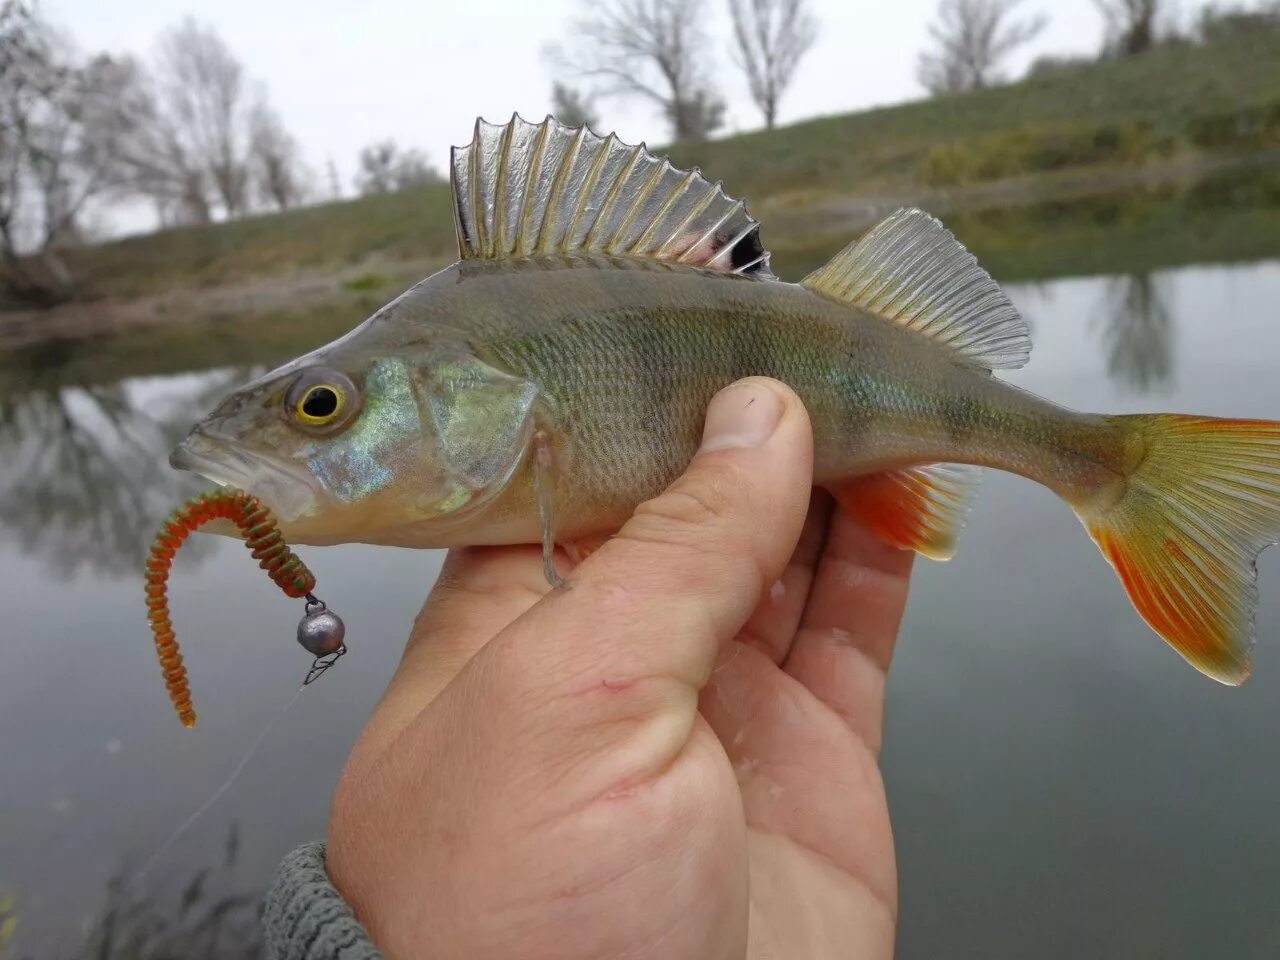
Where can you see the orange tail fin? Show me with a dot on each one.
(1184, 537)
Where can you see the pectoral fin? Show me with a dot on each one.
(544, 479)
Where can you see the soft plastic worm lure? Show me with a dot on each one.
(320, 631)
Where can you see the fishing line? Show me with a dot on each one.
(317, 670)
(218, 793)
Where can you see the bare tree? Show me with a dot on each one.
(973, 39)
(772, 36)
(207, 109)
(697, 116)
(654, 50)
(385, 168)
(206, 142)
(63, 124)
(572, 107)
(28, 79)
(376, 165)
(1131, 25)
(276, 167)
(1228, 24)
(164, 165)
(413, 169)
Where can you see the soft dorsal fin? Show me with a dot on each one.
(915, 508)
(533, 189)
(910, 269)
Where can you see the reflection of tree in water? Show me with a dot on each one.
(1138, 332)
(210, 917)
(84, 472)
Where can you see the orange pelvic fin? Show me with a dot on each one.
(916, 508)
(1184, 536)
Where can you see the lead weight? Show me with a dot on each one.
(321, 632)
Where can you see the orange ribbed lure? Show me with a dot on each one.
(320, 631)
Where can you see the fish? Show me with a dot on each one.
(556, 376)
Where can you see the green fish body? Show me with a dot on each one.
(625, 355)
(558, 374)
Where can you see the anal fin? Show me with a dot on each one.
(915, 508)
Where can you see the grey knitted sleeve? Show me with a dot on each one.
(305, 918)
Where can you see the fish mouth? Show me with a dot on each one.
(289, 491)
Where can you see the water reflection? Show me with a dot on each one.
(86, 478)
(212, 916)
(1138, 332)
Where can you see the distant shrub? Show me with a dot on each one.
(1051, 64)
(1250, 190)
(1230, 24)
(1110, 143)
(998, 156)
(367, 283)
(1247, 128)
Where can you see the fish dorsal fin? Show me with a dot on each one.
(535, 189)
(915, 508)
(908, 268)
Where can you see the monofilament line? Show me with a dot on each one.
(217, 794)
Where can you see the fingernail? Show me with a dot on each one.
(742, 415)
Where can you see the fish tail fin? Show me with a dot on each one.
(1199, 504)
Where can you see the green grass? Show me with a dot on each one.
(1176, 102)
(1166, 89)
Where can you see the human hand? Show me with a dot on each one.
(676, 757)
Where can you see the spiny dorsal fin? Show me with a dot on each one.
(910, 269)
(523, 190)
(915, 508)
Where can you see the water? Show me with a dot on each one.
(1061, 783)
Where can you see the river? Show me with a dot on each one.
(1061, 783)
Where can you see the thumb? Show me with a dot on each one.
(687, 570)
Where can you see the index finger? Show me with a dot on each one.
(479, 592)
(845, 642)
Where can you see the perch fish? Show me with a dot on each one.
(556, 376)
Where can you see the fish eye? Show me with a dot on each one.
(321, 398)
(320, 403)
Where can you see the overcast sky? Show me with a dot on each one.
(343, 73)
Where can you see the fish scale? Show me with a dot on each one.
(557, 375)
